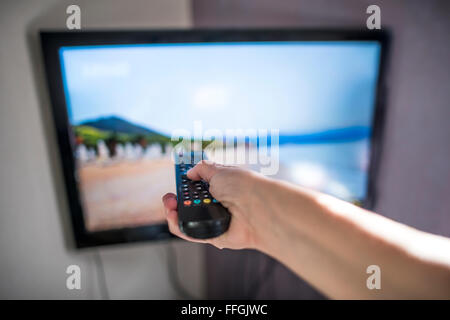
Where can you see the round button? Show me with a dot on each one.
(206, 200)
(197, 201)
(187, 203)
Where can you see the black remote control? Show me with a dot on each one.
(200, 216)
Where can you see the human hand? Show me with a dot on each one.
(231, 186)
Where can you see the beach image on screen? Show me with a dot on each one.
(125, 101)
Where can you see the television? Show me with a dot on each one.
(120, 98)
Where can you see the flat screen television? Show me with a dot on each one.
(118, 97)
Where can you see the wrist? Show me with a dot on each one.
(264, 215)
(283, 212)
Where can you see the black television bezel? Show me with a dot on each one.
(52, 41)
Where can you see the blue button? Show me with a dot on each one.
(197, 201)
(215, 201)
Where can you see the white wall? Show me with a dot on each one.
(34, 230)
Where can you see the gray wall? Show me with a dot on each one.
(35, 236)
(414, 180)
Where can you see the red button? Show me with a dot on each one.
(187, 203)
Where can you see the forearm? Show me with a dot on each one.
(330, 243)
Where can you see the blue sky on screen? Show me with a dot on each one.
(296, 87)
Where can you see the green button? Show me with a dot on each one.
(197, 201)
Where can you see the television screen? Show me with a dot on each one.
(126, 101)
(298, 105)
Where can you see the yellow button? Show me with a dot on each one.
(206, 200)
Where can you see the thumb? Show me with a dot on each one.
(204, 170)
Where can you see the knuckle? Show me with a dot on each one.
(208, 163)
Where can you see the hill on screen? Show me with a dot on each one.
(116, 124)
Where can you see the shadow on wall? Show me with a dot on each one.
(414, 175)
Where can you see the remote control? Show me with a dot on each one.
(200, 216)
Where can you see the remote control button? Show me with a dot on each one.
(187, 202)
(184, 176)
(195, 192)
(206, 200)
(206, 196)
(214, 200)
(205, 191)
(199, 188)
(197, 201)
(195, 197)
(185, 185)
